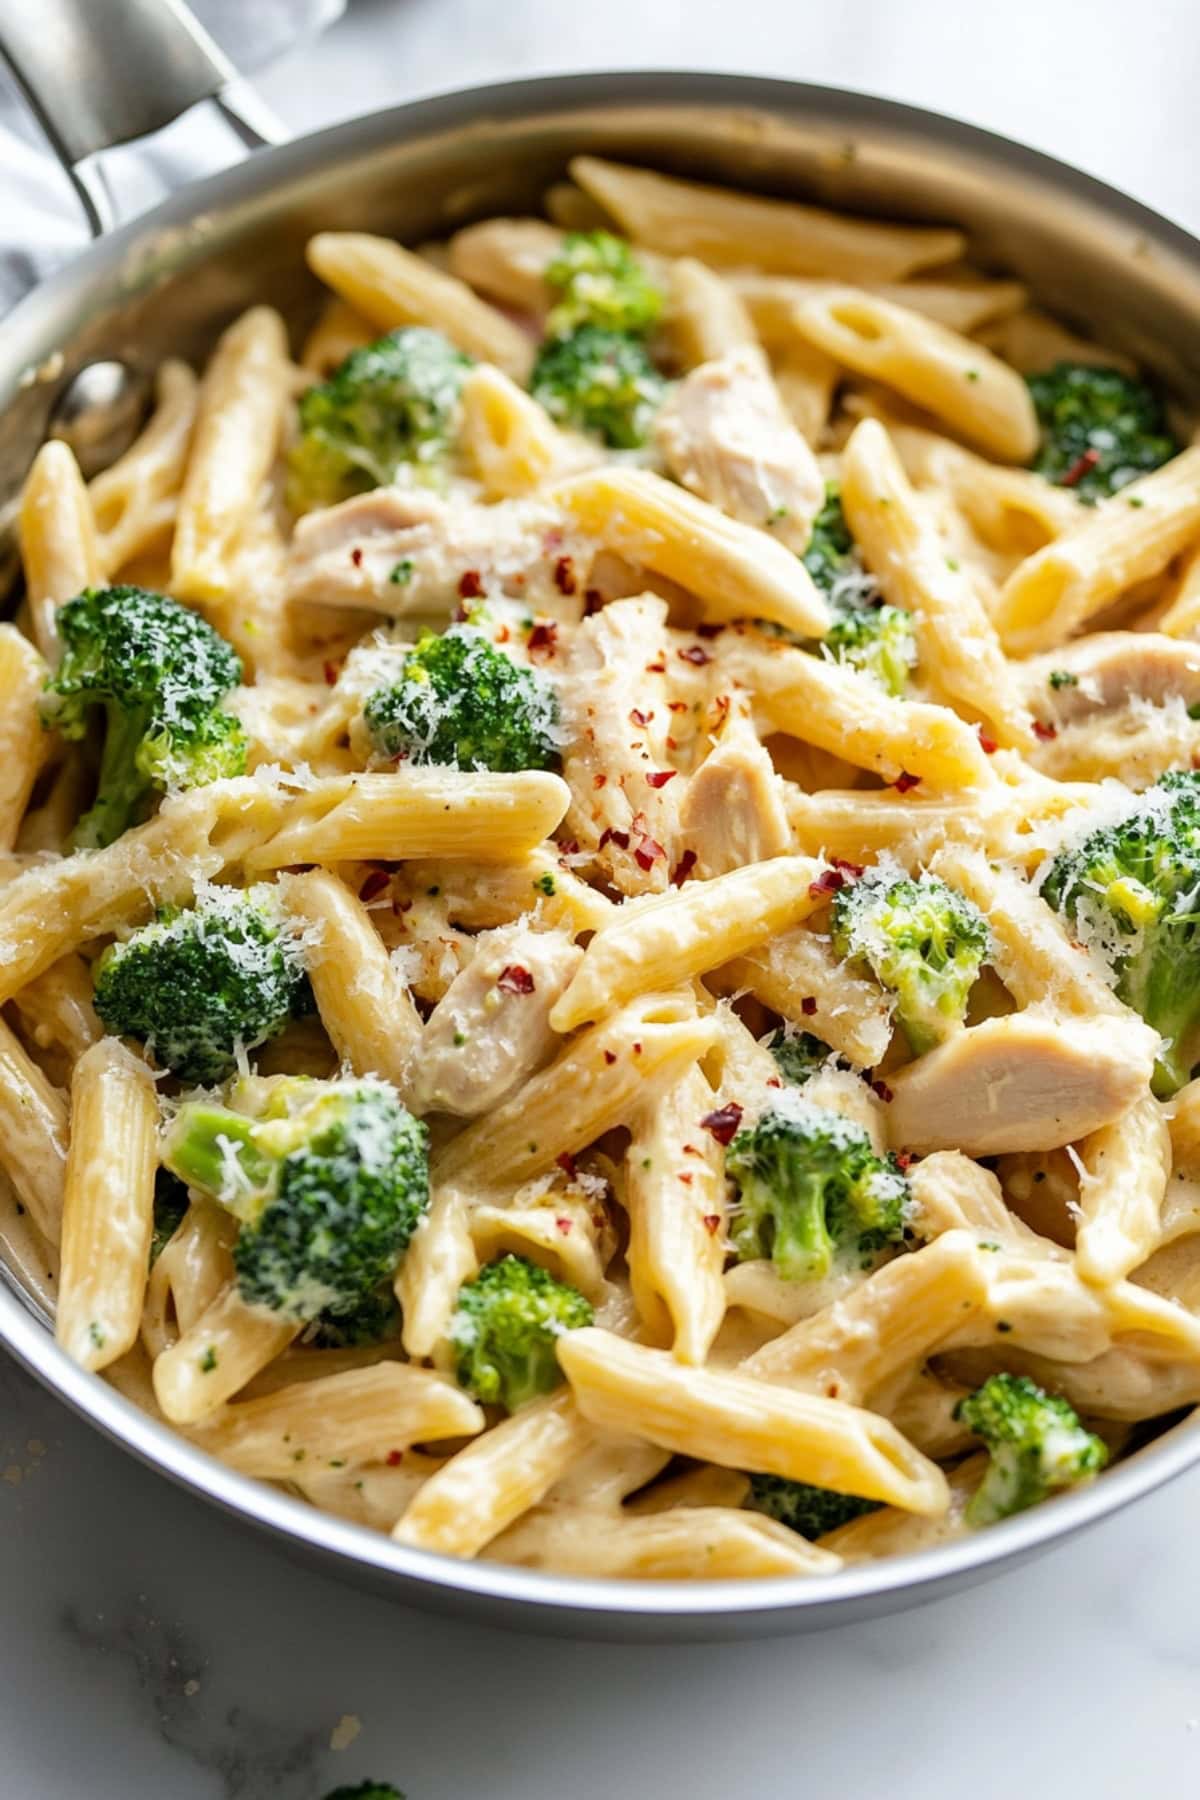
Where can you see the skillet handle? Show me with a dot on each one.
(99, 73)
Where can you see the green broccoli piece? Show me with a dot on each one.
(866, 633)
(1036, 1446)
(599, 381)
(601, 282)
(329, 1180)
(462, 703)
(799, 1055)
(921, 940)
(504, 1329)
(812, 1511)
(392, 404)
(199, 984)
(811, 1191)
(373, 1321)
(170, 1206)
(160, 672)
(1100, 429)
(367, 1790)
(1131, 892)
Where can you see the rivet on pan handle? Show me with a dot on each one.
(99, 73)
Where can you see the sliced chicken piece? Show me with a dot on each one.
(403, 552)
(732, 811)
(725, 433)
(489, 1030)
(1025, 1082)
(1115, 703)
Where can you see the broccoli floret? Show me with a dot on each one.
(170, 1205)
(504, 1329)
(373, 1321)
(799, 1056)
(876, 639)
(329, 1180)
(462, 703)
(865, 632)
(1100, 429)
(160, 672)
(921, 940)
(811, 1190)
(601, 282)
(392, 404)
(367, 1790)
(1131, 891)
(600, 381)
(812, 1511)
(200, 984)
(1036, 1445)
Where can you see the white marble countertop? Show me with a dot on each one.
(150, 1648)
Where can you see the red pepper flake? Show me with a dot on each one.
(723, 1123)
(610, 1057)
(470, 585)
(1044, 731)
(374, 884)
(564, 576)
(671, 744)
(772, 1081)
(677, 705)
(637, 1049)
(808, 1005)
(598, 781)
(330, 672)
(695, 654)
(611, 836)
(721, 709)
(563, 1225)
(569, 848)
(709, 631)
(883, 1090)
(712, 1223)
(658, 668)
(515, 980)
(647, 851)
(904, 1159)
(502, 635)
(987, 744)
(847, 868)
(1080, 468)
(566, 1162)
(829, 881)
(905, 783)
(692, 1150)
(394, 1458)
(638, 717)
(683, 868)
(593, 600)
(660, 777)
(542, 639)
(686, 1176)
(356, 556)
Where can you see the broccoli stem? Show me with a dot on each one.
(802, 1248)
(121, 789)
(205, 1146)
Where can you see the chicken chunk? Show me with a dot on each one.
(732, 810)
(490, 1030)
(1025, 1082)
(725, 434)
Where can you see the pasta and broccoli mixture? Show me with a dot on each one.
(600, 923)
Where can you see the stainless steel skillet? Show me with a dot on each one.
(76, 355)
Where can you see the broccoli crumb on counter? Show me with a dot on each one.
(811, 1191)
(504, 1329)
(1036, 1446)
(924, 942)
(1100, 429)
(199, 985)
(160, 673)
(461, 703)
(1130, 892)
(329, 1180)
(812, 1511)
(392, 404)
